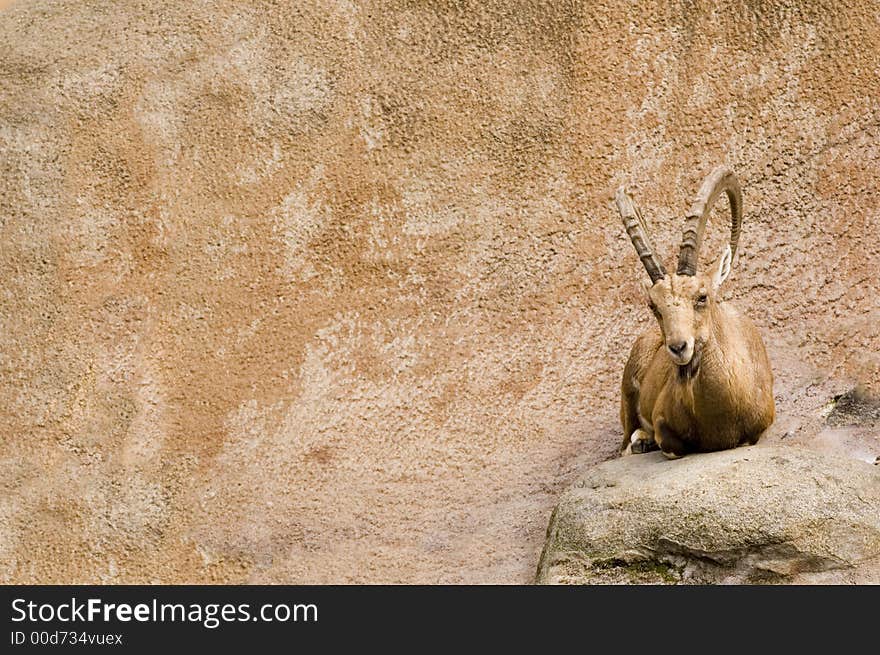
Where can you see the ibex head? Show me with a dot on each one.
(684, 302)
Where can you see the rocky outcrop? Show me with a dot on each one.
(751, 515)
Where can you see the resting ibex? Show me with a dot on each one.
(703, 381)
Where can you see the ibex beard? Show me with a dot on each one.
(703, 381)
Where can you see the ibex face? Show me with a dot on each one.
(683, 302)
(684, 306)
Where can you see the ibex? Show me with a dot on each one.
(703, 381)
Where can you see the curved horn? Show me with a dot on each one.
(720, 180)
(638, 234)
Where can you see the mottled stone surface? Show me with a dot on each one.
(765, 514)
(336, 291)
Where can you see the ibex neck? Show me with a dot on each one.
(712, 381)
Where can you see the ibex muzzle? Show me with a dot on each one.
(704, 381)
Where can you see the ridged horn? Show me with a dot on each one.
(637, 231)
(721, 180)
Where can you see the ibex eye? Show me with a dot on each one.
(703, 299)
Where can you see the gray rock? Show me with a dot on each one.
(752, 515)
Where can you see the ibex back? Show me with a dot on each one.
(703, 381)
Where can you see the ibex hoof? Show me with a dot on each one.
(670, 455)
(641, 442)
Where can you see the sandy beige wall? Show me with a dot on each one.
(335, 291)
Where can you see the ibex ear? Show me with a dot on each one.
(723, 268)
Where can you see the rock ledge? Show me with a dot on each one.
(765, 514)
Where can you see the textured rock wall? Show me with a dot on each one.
(335, 291)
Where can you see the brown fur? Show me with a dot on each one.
(721, 398)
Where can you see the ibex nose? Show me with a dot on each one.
(677, 348)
